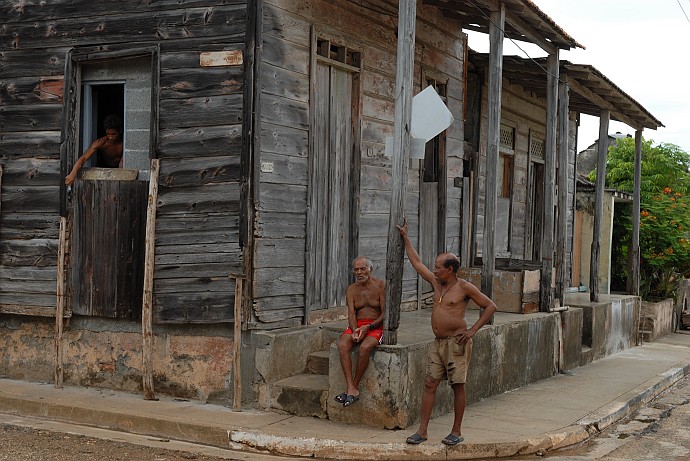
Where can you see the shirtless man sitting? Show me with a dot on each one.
(365, 301)
(449, 354)
(110, 147)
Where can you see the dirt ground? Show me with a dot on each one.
(28, 444)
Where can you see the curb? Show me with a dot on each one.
(340, 449)
(182, 430)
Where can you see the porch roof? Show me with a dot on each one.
(524, 21)
(590, 90)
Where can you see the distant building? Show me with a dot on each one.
(587, 158)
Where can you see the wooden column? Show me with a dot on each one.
(494, 130)
(546, 301)
(147, 305)
(237, 344)
(562, 272)
(60, 307)
(603, 148)
(635, 269)
(407, 17)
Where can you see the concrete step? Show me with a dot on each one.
(302, 395)
(317, 363)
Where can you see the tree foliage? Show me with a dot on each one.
(664, 213)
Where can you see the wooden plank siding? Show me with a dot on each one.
(527, 113)
(199, 143)
(279, 286)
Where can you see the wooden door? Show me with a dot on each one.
(329, 224)
(108, 246)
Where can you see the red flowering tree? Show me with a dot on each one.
(664, 214)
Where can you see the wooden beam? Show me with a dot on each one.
(530, 34)
(635, 269)
(404, 81)
(147, 307)
(546, 301)
(60, 307)
(562, 272)
(599, 204)
(493, 140)
(237, 345)
(602, 103)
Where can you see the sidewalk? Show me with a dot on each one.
(550, 414)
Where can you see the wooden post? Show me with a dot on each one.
(494, 131)
(636, 215)
(563, 275)
(60, 308)
(546, 300)
(147, 307)
(603, 148)
(237, 344)
(407, 18)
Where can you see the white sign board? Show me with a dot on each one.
(430, 116)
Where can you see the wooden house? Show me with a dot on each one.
(254, 172)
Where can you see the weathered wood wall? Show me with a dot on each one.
(527, 113)
(199, 143)
(279, 286)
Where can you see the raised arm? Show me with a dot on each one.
(97, 144)
(413, 256)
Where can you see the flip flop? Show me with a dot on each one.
(340, 398)
(452, 439)
(415, 439)
(350, 399)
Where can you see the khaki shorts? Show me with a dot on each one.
(448, 358)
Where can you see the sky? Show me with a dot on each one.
(642, 46)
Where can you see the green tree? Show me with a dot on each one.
(664, 213)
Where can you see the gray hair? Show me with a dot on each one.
(370, 265)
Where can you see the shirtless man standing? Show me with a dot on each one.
(365, 301)
(110, 147)
(449, 354)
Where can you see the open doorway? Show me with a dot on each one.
(100, 99)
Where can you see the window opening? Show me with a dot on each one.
(336, 52)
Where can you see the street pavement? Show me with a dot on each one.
(554, 413)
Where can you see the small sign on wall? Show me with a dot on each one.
(221, 58)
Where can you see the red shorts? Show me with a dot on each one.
(374, 332)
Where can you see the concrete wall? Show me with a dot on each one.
(194, 363)
(657, 319)
(505, 357)
(571, 339)
(609, 326)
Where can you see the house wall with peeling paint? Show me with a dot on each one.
(193, 364)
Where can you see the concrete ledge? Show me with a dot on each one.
(506, 356)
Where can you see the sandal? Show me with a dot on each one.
(415, 439)
(350, 399)
(452, 439)
(340, 398)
